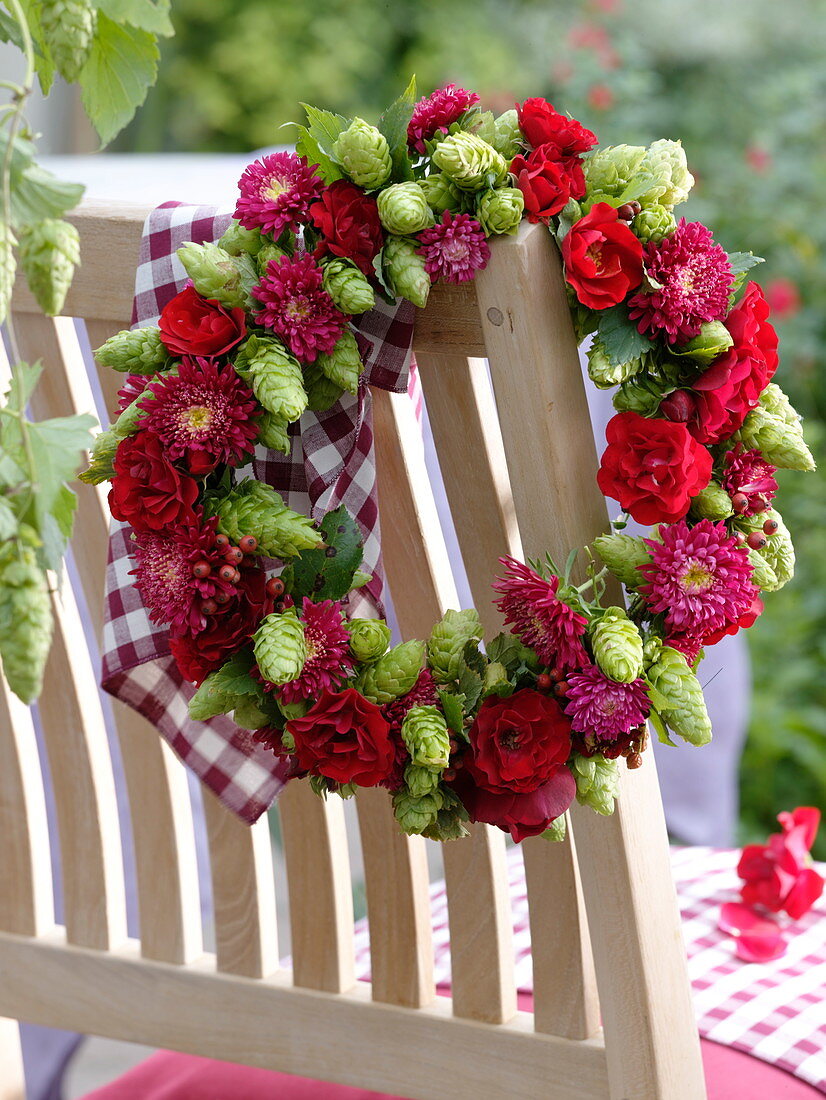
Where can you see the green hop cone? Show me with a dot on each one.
(450, 821)
(8, 267)
(405, 271)
(654, 223)
(470, 162)
(446, 646)
(713, 502)
(25, 620)
(420, 781)
(280, 647)
(237, 240)
(101, 460)
(623, 554)
(253, 508)
(761, 572)
(442, 193)
(507, 137)
(597, 782)
(249, 716)
(275, 377)
(322, 392)
(781, 441)
(640, 394)
(215, 274)
(712, 340)
(779, 548)
(500, 210)
(363, 153)
(618, 646)
(425, 733)
(686, 712)
(68, 27)
(416, 814)
(343, 364)
(776, 402)
(665, 162)
(267, 254)
(610, 170)
(605, 373)
(272, 432)
(49, 251)
(403, 209)
(394, 673)
(134, 351)
(350, 291)
(369, 638)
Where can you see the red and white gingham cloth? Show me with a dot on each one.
(331, 463)
(775, 1011)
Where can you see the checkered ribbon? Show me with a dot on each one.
(331, 463)
(773, 1011)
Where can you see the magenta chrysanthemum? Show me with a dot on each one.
(132, 388)
(276, 192)
(422, 694)
(539, 617)
(598, 705)
(165, 580)
(436, 112)
(695, 279)
(454, 249)
(699, 577)
(747, 472)
(296, 307)
(328, 661)
(202, 415)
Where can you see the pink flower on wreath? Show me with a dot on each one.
(276, 192)
(296, 307)
(454, 249)
(749, 473)
(779, 875)
(539, 617)
(132, 388)
(436, 112)
(203, 415)
(328, 661)
(422, 694)
(698, 577)
(598, 705)
(695, 280)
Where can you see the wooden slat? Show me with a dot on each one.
(26, 899)
(12, 1083)
(321, 895)
(243, 891)
(450, 323)
(651, 1036)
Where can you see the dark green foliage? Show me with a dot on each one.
(327, 573)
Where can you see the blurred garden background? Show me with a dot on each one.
(741, 83)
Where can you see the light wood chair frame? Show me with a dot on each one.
(613, 1014)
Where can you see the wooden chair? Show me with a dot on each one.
(613, 1015)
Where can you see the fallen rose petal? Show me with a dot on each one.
(804, 894)
(737, 920)
(760, 947)
(806, 816)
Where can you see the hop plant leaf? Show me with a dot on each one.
(327, 573)
(226, 688)
(8, 267)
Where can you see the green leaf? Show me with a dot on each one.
(393, 124)
(454, 712)
(659, 726)
(11, 473)
(26, 377)
(35, 193)
(8, 520)
(146, 15)
(471, 686)
(10, 31)
(742, 261)
(122, 66)
(324, 127)
(55, 527)
(222, 689)
(620, 337)
(327, 573)
(57, 445)
(307, 146)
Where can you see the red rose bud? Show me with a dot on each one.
(192, 325)
(541, 124)
(603, 258)
(148, 492)
(349, 223)
(544, 182)
(679, 406)
(344, 737)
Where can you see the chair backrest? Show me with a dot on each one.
(613, 1016)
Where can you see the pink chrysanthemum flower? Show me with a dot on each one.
(539, 617)
(598, 705)
(165, 579)
(203, 415)
(436, 112)
(132, 388)
(329, 661)
(296, 307)
(695, 280)
(699, 577)
(454, 249)
(276, 192)
(749, 473)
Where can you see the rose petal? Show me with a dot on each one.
(804, 893)
(808, 817)
(737, 919)
(760, 948)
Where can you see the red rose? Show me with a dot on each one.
(747, 619)
(730, 388)
(603, 258)
(541, 124)
(779, 874)
(147, 491)
(192, 325)
(226, 631)
(544, 181)
(652, 467)
(348, 220)
(344, 737)
(518, 743)
(519, 814)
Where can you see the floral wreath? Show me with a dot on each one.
(255, 594)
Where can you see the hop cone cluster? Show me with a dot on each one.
(280, 647)
(507, 137)
(779, 548)
(623, 554)
(605, 373)
(654, 223)
(500, 210)
(713, 502)
(350, 291)
(393, 674)
(25, 620)
(363, 153)
(618, 646)
(49, 251)
(272, 432)
(780, 439)
(712, 340)
(68, 27)
(686, 714)
(415, 813)
(420, 781)
(369, 638)
(405, 270)
(426, 736)
(253, 508)
(237, 240)
(135, 351)
(470, 162)
(665, 161)
(597, 782)
(275, 377)
(608, 171)
(343, 364)
(446, 647)
(404, 210)
(442, 193)
(215, 274)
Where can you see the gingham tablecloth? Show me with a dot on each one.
(774, 1011)
(331, 463)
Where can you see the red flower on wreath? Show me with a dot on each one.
(652, 467)
(544, 182)
(193, 325)
(520, 814)
(436, 112)
(454, 249)
(540, 619)
(295, 306)
(603, 258)
(779, 874)
(349, 223)
(542, 124)
(147, 491)
(344, 737)
(276, 192)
